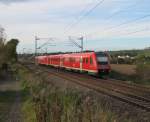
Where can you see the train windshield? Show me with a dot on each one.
(102, 58)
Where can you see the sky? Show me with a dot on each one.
(104, 24)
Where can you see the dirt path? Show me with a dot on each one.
(10, 100)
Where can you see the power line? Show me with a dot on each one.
(116, 13)
(85, 9)
(130, 21)
(81, 13)
(124, 23)
(134, 32)
(86, 14)
(137, 31)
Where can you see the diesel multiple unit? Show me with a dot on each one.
(90, 62)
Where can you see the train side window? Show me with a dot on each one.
(73, 60)
(49, 60)
(91, 60)
(77, 59)
(83, 60)
(63, 59)
(86, 60)
(66, 59)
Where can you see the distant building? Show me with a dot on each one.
(148, 48)
(125, 59)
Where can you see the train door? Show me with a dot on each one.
(81, 63)
(85, 63)
(61, 61)
(46, 60)
(91, 64)
(49, 61)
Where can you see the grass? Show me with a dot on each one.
(119, 76)
(128, 78)
(65, 106)
(124, 69)
(28, 111)
(6, 100)
(48, 103)
(44, 102)
(127, 74)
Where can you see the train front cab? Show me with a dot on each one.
(103, 63)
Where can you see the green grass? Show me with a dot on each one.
(128, 78)
(28, 111)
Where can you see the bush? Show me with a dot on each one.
(8, 53)
(143, 67)
(143, 72)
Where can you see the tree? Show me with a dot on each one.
(143, 66)
(11, 47)
(2, 54)
(2, 46)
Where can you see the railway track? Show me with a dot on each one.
(134, 95)
(118, 86)
(131, 85)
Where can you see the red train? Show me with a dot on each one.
(91, 62)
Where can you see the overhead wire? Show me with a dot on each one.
(110, 28)
(80, 14)
(100, 2)
(108, 18)
(86, 14)
(137, 31)
(123, 10)
(121, 24)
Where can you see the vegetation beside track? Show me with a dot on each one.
(48, 103)
(8, 54)
(138, 72)
(134, 78)
(143, 67)
(125, 69)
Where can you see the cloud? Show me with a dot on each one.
(12, 1)
(50, 18)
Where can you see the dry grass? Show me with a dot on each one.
(124, 69)
(48, 103)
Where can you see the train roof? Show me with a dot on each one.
(75, 54)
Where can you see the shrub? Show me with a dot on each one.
(143, 72)
(143, 67)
